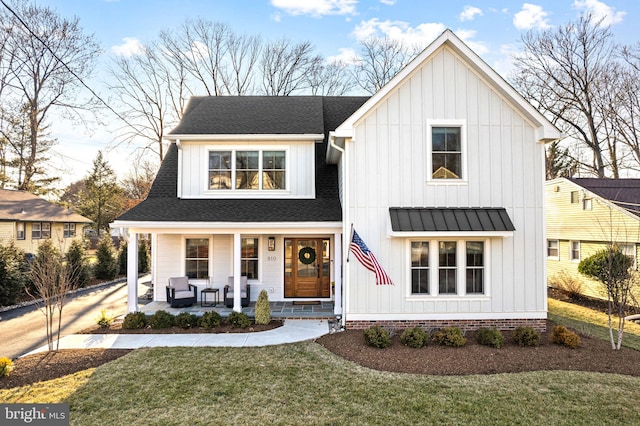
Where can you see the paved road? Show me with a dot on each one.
(23, 329)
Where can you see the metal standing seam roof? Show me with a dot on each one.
(450, 219)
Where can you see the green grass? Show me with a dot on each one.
(305, 384)
(591, 323)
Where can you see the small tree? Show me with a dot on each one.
(77, 258)
(143, 257)
(12, 277)
(263, 310)
(52, 279)
(612, 268)
(122, 258)
(106, 266)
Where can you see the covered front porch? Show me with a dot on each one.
(279, 310)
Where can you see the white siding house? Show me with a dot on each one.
(441, 173)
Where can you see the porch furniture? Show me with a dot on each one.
(203, 296)
(180, 293)
(245, 291)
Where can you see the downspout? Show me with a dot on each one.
(345, 224)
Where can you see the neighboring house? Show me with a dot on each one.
(585, 215)
(440, 173)
(27, 220)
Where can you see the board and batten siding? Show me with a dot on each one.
(505, 168)
(300, 163)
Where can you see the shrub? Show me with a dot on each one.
(6, 367)
(134, 320)
(186, 320)
(562, 336)
(122, 259)
(104, 320)
(106, 266)
(238, 320)
(377, 337)
(450, 336)
(144, 260)
(526, 336)
(263, 310)
(210, 320)
(414, 337)
(77, 258)
(161, 319)
(571, 284)
(12, 274)
(490, 337)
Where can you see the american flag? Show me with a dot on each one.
(368, 260)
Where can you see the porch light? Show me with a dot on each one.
(272, 244)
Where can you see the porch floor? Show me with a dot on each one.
(279, 310)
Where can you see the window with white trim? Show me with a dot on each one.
(419, 267)
(255, 170)
(20, 233)
(447, 152)
(459, 270)
(574, 251)
(553, 249)
(69, 230)
(197, 258)
(587, 204)
(575, 197)
(249, 258)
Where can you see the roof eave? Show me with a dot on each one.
(244, 137)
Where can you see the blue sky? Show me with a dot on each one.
(491, 27)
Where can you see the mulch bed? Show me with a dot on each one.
(116, 328)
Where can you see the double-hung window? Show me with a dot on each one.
(553, 249)
(40, 230)
(447, 152)
(574, 251)
(69, 230)
(459, 268)
(20, 234)
(249, 258)
(197, 258)
(252, 170)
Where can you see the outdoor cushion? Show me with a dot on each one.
(183, 294)
(242, 294)
(179, 283)
(243, 283)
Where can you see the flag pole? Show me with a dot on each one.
(350, 239)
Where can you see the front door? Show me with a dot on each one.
(306, 267)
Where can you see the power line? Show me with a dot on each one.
(24, 24)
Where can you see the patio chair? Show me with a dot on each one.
(245, 292)
(180, 293)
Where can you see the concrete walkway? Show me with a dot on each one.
(292, 331)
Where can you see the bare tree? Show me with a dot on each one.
(562, 71)
(238, 75)
(137, 183)
(49, 57)
(380, 60)
(627, 102)
(52, 279)
(331, 79)
(285, 67)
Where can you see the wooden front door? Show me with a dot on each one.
(306, 267)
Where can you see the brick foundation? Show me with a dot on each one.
(465, 325)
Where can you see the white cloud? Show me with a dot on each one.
(467, 36)
(469, 13)
(421, 35)
(130, 47)
(316, 8)
(531, 16)
(388, 2)
(346, 55)
(600, 10)
(505, 64)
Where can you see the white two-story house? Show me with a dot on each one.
(441, 174)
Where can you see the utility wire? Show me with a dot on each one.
(24, 24)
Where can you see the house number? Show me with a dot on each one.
(271, 258)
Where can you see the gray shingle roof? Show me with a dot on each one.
(162, 203)
(231, 115)
(450, 219)
(623, 192)
(24, 206)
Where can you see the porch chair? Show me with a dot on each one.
(245, 292)
(180, 293)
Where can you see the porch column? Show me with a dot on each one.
(337, 273)
(237, 270)
(132, 272)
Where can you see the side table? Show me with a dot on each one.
(203, 296)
